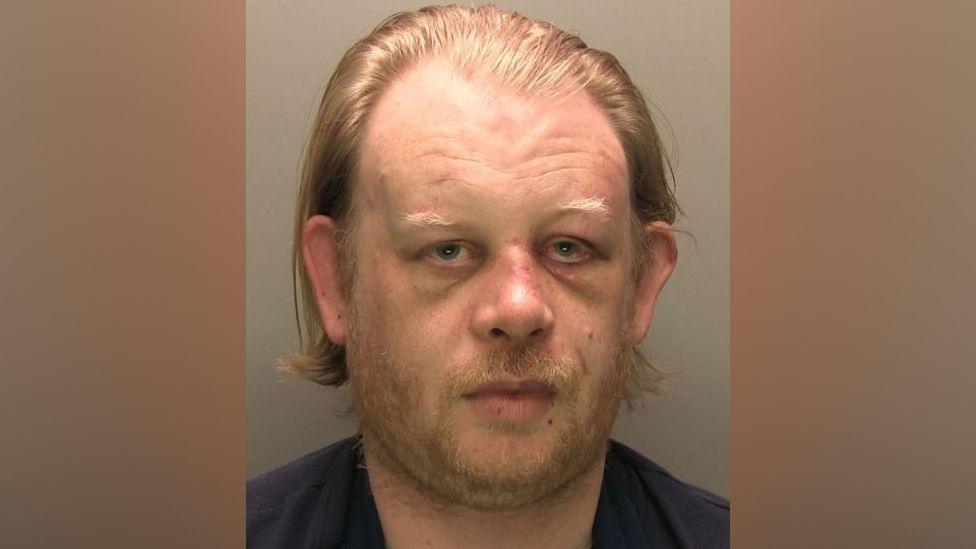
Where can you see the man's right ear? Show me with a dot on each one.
(320, 253)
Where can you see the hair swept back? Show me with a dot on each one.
(533, 58)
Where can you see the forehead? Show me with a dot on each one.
(434, 129)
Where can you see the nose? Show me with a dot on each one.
(514, 305)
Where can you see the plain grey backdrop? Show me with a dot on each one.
(678, 54)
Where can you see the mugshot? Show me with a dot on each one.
(509, 249)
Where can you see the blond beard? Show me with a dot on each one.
(430, 456)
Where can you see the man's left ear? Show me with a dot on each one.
(662, 253)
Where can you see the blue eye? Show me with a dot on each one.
(450, 251)
(569, 251)
(565, 248)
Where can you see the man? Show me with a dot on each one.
(482, 232)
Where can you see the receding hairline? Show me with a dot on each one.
(437, 70)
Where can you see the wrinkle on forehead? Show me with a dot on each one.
(438, 167)
(523, 157)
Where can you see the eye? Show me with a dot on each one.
(569, 251)
(450, 252)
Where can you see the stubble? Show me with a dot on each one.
(428, 451)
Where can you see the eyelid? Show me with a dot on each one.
(586, 253)
(467, 252)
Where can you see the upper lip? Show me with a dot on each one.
(514, 386)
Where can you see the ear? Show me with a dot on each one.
(320, 253)
(659, 262)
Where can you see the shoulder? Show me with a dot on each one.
(696, 517)
(289, 482)
(283, 503)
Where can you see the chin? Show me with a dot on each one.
(508, 466)
(516, 447)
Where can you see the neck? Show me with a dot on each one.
(411, 519)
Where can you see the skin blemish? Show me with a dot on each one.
(550, 421)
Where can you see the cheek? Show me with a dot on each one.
(595, 335)
(600, 320)
(397, 338)
(380, 296)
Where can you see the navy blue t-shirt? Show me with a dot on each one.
(323, 500)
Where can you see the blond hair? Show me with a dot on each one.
(533, 58)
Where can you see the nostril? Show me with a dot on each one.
(497, 332)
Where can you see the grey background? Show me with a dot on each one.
(678, 54)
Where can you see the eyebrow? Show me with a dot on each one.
(426, 219)
(593, 204)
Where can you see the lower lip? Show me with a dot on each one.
(511, 407)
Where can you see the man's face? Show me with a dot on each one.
(491, 304)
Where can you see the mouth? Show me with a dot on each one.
(525, 387)
(512, 401)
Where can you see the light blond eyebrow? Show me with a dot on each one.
(593, 204)
(426, 219)
(433, 219)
